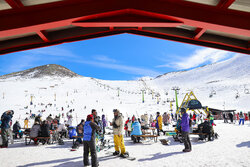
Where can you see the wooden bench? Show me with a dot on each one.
(155, 137)
(146, 133)
(38, 138)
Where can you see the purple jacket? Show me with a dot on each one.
(104, 122)
(185, 122)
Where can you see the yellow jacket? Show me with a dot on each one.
(159, 121)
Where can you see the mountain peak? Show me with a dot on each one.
(49, 70)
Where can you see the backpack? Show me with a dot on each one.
(87, 131)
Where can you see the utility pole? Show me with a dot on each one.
(176, 89)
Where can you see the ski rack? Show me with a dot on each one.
(190, 96)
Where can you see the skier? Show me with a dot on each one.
(90, 127)
(26, 123)
(185, 130)
(241, 116)
(159, 123)
(5, 126)
(117, 124)
(17, 130)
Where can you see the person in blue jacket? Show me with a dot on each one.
(89, 129)
(6, 118)
(185, 130)
(136, 130)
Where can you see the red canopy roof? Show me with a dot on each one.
(27, 24)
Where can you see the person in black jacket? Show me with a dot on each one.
(90, 127)
(16, 130)
(45, 129)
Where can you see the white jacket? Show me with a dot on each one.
(119, 123)
(35, 130)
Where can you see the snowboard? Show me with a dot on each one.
(128, 157)
(73, 149)
(165, 142)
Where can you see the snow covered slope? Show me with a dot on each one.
(226, 79)
(63, 88)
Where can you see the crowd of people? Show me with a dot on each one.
(95, 126)
(240, 117)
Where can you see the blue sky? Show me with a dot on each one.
(119, 57)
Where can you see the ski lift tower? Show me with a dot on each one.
(176, 89)
(142, 90)
(171, 105)
(118, 92)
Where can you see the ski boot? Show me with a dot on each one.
(125, 155)
(116, 153)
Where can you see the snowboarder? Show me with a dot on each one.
(117, 124)
(5, 126)
(90, 127)
(185, 130)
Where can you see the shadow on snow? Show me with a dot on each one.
(244, 144)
